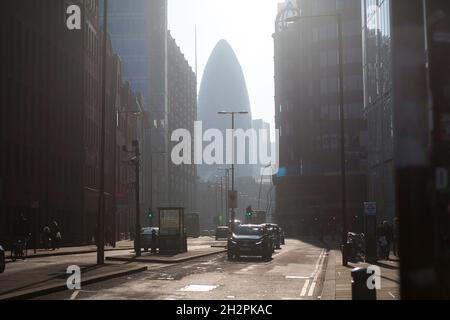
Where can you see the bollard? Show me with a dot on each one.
(360, 288)
(2, 260)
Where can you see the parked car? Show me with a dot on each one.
(274, 230)
(146, 237)
(222, 233)
(250, 240)
(2, 260)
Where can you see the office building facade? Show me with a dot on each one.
(377, 50)
(308, 184)
(182, 110)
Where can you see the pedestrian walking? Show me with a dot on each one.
(55, 235)
(396, 243)
(154, 241)
(21, 229)
(382, 241)
(389, 240)
(46, 237)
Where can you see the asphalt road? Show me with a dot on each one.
(295, 273)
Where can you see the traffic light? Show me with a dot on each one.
(150, 214)
(249, 212)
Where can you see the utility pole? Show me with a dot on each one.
(101, 196)
(343, 164)
(227, 189)
(221, 197)
(135, 161)
(137, 239)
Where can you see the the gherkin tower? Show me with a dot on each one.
(223, 88)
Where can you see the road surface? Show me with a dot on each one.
(295, 273)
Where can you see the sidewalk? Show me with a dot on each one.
(41, 253)
(193, 253)
(32, 283)
(338, 280)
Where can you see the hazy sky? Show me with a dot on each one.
(247, 25)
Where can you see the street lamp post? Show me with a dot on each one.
(338, 17)
(101, 197)
(136, 163)
(232, 114)
(227, 188)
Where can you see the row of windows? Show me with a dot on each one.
(376, 50)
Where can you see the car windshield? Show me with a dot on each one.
(248, 231)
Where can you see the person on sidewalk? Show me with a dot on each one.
(382, 240)
(21, 229)
(154, 241)
(55, 235)
(396, 242)
(389, 240)
(46, 237)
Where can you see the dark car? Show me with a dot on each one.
(222, 233)
(275, 232)
(146, 237)
(250, 240)
(2, 260)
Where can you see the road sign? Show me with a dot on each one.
(232, 199)
(370, 208)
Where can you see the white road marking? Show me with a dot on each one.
(318, 269)
(305, 287)
(247, 269)
(311, 289)
(297, 277)
(390, 293)
(74, 295)
(314, 276)
(198, 288)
